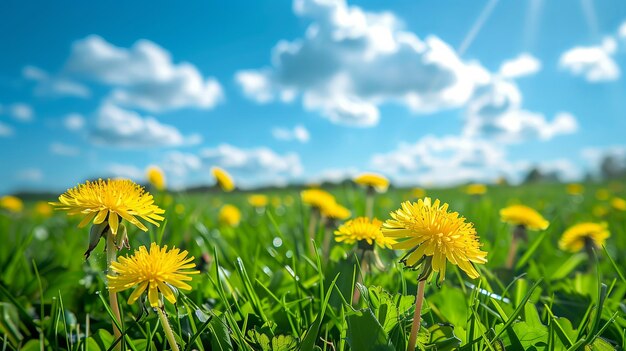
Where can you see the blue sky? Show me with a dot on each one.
(430, 92)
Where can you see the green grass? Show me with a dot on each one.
(260, 289)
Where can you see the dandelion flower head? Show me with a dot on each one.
(524, 216)
(476, 189)
(11, 203)
(362, 229)
(156, 271)
(224, 180)
(110, 200)
(229, 215)
(258, 200)
(429, 231)
(317, 198)
(156, 177)
(376, 181)
(334, 210)
(575, 237)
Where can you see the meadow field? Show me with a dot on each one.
(260, 287)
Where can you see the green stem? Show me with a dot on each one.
(111, 256)
(369, 202)
(417, 317)
(169, 334)
(312, 230)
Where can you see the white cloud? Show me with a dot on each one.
(179, 163)
(495, 112)
(30, 175)
(64, 149)
(125, 171)
(74, 121)
(143, 76)
(54, 86)
(621, 32)
(21, 111)
(118, 127)
(523, 65)
(351, 61)
(5, 130)
(594, 63)
(258, 162)
(298, 133)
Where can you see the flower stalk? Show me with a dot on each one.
(169, 334)
(519, 233)
(111, 249)
(315, 215)
(417, 316)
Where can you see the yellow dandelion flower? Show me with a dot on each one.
(373, 180)
(575, 189)
(618, 204)
(577, 236)
(109, 200)
(156, 177)
(418, 193)
(603, 194)
(276, 201)
(362, 229)
(317, 198)
(335, 211)
(229, 215)
(224, 180)
(179, 209)
(599, 210)
(524, 216)
(257, 200)
(156, 271)
(429, 232)
(43, 209)
(11, 203)
(475, 189)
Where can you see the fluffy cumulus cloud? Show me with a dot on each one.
(116, 126)
(523, 65)
(444, 160)
(593, 63)
(357, 60)
(142, 76)
(255, 161)
(297, 133)
(47, 85)
(31, 175)
(496, 112)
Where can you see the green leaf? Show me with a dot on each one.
(524, 336)
(365, 332)
(442, 337)
(564, 268)
(284, 343)
(220, 339)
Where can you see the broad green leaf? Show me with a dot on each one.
(365, 332)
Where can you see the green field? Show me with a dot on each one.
(260, 289)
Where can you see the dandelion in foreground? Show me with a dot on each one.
(223, 179)
(158, 272)
(11, 203)
(523, 218)
(587, 235)
(432, 235)
(229, 215)
(373, 183)
(258, 200)
(156, 177)
(107, 203)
